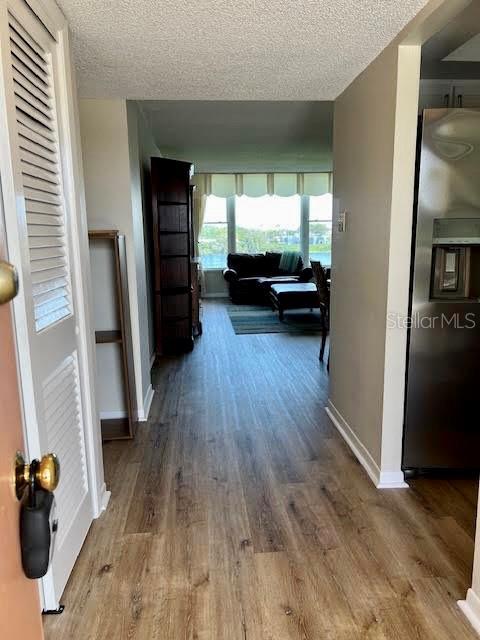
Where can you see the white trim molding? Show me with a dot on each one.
(104, 499)
(144, 412)
(470, 608)
(215, 295)
(81, 256)
(381, 479)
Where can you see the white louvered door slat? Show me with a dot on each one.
(31, 87)
(48, 284)
(33, 98)
(41, 176)
(44, 219)
(31, 143)
(65, 437)
(34, 206)
(32, 130)
(37, 160)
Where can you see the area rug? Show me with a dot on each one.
(247, 319)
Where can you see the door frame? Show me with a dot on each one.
(20, 604)
(69, 133)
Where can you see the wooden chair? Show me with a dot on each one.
(320, 277)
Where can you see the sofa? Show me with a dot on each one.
(250, 276)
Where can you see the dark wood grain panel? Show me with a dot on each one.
(174, 244)
(176, 306)
(174, 272)
(173, 219)
(173, 254)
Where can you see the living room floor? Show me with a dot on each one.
(238, 513)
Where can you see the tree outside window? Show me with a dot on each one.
(267, 223)
(213, 241)
(320, 229)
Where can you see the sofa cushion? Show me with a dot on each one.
(290, 262)
(258, 264)
(272, 261)
(246, 264)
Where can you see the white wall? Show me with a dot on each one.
(140, 227)
(214, 284)
(364, 123)
(375, 124)
(114, 201)
(146, 150)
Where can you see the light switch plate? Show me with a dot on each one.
(342, 221)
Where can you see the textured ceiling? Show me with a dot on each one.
(244, 136)
(229, 50)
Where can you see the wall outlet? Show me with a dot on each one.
(342, 221)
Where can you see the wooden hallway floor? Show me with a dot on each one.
(238, 513)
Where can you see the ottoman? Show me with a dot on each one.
(301, 295)
(295, 295)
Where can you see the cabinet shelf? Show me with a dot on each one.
(116, 429)
(108, 337)
(175, 255)
(174, 291)
(167, 203)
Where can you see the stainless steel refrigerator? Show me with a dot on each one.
(442, 405)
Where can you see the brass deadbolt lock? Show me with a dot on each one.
(8, 282)
(44, 473)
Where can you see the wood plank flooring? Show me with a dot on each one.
(238, 513)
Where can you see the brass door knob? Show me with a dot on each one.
(44, 473)
(8, 282)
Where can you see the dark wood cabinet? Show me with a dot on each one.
(172, 242)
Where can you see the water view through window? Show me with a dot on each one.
(266, 223)
(320, 229)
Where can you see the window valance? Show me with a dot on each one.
(255, 185)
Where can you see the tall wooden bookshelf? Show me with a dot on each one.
(173, 243)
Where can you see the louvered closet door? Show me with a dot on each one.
(53, 393)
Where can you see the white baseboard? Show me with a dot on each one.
(104, 500)
(470, 607)
(392, 480)
(142, 413)
(147, 403)
(381, 479)
(215, 295)
(112, 415)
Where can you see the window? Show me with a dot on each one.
(320, 229)
(246, 224)
(267, 223)
(213, 241)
